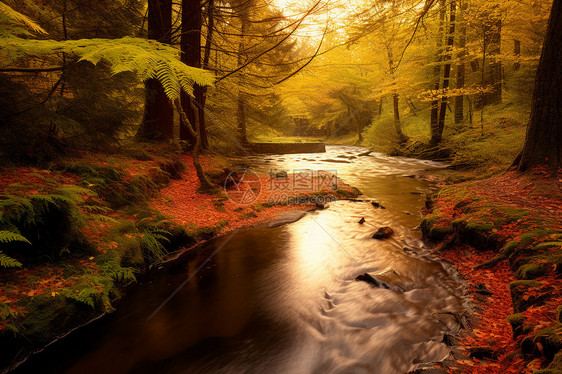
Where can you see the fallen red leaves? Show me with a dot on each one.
(538, 192)
(492, 328)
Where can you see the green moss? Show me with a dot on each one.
(219, 206)
(206, 233)
(547, 245)
(525, 283)
(530, 271)
(344, 194)
(129, 252)
(513, 214)
(440, 233)
(479, 227)
(458, 222)
(530, 237)
(551, 340)
(516, 319)
(49, 316)
(258, 207)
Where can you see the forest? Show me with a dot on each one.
(281, 186)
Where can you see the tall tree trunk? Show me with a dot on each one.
(395, 98)
(492, 70)
(205, 185)
(190, 45)
(397, 124)
(434, 118)
(446, 73)
(241, 105)
(459, 99)
(158, 122)
(206, 59)
(517, 53)
(543, 142)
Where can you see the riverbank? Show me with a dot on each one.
(503, 234)
(74, 234)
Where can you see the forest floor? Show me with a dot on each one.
(74, 233)
(504, 235)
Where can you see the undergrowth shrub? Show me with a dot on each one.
(36, 225)
(114, 185)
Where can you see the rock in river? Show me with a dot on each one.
(366, 277)
(383, 233)
(287, 217)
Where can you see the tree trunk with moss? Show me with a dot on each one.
(461, 70)
(395, 99)
(543, 142)
(205, 185)
(436, 137)
(190, 45)
(241, 118)
(158, 122)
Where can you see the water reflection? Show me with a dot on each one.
(284, 300)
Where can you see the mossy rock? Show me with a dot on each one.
(479, 235)
(439, 233)
(516, 321)
(505, 253)
(427, 224)
(530, 271)
(547, 245)
(551, 340)
(520, 295)
(529, 237)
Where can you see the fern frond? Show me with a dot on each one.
(86, 296)
(153, 249)
(8, 262)
(74, 192)
(102, 218)
(118, 273)
(20, 18)
(9, 236)
(146, 58)
(96, 208)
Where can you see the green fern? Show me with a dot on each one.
(9, 236)
(147, 58)
(87, 296)
(9, 262)
(118, 273)
(7, 12)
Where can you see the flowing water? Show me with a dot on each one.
(284, 299)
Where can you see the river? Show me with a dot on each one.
(285, 299)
